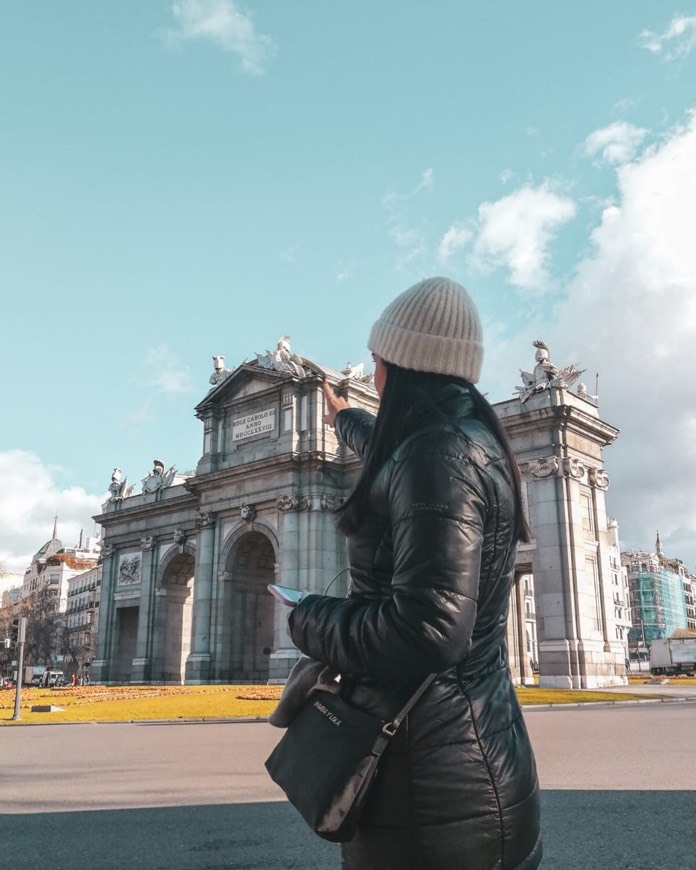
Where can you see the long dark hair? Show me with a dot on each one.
(404, 391)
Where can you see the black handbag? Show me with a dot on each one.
(328, 758)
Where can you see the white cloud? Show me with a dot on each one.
(457, 237)
(165, 373)
(220, 22)
(30, 498)
(676, 42)
(409, 239)
(289, 255)
(515, 232)
(630, 314)
(614, 144)
(393, 200)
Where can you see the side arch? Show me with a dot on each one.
(173, 613)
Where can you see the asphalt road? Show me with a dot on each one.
(617, 791)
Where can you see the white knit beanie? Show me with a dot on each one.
(431, 327)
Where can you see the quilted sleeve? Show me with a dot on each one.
(438, 507)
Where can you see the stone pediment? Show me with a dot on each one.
(245, 381)
(250, 378)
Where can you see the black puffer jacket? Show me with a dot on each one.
(431, 568)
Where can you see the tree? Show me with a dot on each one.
(44, 627)
(7, 655)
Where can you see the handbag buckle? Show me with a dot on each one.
(389, 729)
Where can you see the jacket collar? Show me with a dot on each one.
(452, 401)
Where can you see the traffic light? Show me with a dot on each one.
(18, 628)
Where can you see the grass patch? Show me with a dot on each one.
(533, 695)
(641, 679)
(142, 703)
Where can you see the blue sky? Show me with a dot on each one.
(183, 179)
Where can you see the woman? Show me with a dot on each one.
(431, 526)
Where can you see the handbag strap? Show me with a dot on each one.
(389, 729)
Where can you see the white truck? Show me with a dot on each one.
(33, 675)
(673, 655)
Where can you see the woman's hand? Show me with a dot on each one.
(334, 404)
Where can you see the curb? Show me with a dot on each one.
(251, 720)
(576, 704)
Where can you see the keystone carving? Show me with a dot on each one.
(248, 512)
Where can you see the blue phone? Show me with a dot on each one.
(287, 596)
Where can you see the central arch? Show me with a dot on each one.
(248, 610)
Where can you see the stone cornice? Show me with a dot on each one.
(146, 510)
(521, 420)
(288, 463)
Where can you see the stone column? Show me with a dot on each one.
(285, 654)
(141, 671)
(198, 661)
(525, 670)
(100, 667)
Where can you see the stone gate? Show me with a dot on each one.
(186, 561)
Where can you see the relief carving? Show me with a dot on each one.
(547, 466)
(292, 503)
(573, 468)
(129, 569)
(204, 519)
(599, 478)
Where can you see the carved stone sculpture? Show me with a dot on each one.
(180, 537)
(292, 503)
(547, 466)
(545, 374)
(117, 487)
(598, 478)
(158, 478)
(357, 373)
(147, 543)
(204, 519)
(582, 392)
(129, 569)
(331, 502)
(572, 467)
(282, 359)
(248, 512)
(220, 373)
